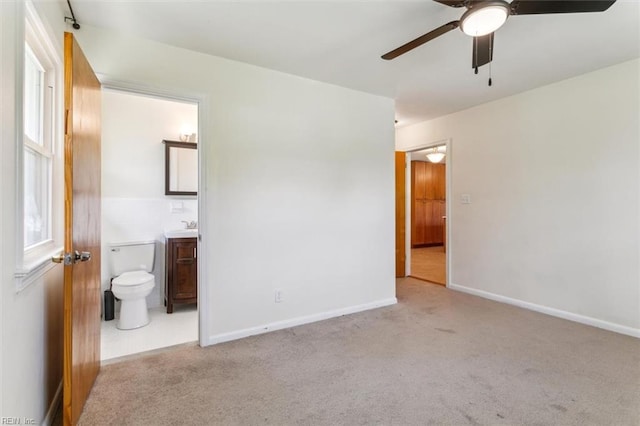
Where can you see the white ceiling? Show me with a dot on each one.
(341, 42)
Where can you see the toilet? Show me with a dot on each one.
(130, 265)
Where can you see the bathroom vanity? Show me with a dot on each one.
(181, 282)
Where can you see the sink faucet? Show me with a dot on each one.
(190, 224)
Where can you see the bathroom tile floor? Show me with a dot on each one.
(164, 330)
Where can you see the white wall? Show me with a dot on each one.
(31, 326)
(290, 202)
(8, 19)
(553, 175)
(134, 207)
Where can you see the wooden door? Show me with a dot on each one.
(438, 221)
(419, 222)
(401, 254)
(419, 180)
(427, 201)
(430, 229)
(429, 173)
(82, 301)
(439, 184)
(418, 193)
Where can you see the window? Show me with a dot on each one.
(40, 189)
(38, 154)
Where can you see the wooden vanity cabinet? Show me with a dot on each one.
(181, 278)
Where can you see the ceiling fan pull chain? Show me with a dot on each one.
(475, 54)
(490, 56)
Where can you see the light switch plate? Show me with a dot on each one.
(465, 198)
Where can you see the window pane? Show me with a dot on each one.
(36, 197)
(33, 97)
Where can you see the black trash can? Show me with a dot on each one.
(109, 302)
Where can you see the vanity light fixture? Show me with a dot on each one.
(188, 137)
(186, 133)
(484, 18)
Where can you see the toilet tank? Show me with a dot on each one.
(133, 256)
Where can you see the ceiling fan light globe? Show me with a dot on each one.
(484, 18)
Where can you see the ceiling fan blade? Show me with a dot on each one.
(421, 40)
(482, 50)
(534, 7)
(452, 3)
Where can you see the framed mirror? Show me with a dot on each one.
(180, 168)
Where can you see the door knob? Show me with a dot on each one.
(68, 259)
(62, 258)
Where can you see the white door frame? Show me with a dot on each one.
(203, 112)
(448, 203)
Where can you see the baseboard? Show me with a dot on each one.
(53, 407)
(617, 328)
(279, 325)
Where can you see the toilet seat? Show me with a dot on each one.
(134, 278)
(131, 283)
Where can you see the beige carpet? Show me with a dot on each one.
(437, 357)
(429, 263)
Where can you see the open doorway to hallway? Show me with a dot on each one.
(145, 140)
(427, 218)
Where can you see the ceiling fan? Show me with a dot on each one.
(483, 17)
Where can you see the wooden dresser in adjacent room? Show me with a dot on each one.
(427, 203)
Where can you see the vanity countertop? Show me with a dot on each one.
(181, 233)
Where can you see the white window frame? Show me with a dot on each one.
(34, 261)
(42, 147)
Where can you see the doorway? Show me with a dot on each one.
(427, 188)
(135, 208)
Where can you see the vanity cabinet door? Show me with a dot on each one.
(182, 272)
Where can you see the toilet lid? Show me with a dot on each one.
(133, 278)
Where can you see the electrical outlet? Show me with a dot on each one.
(279, 296)
(465, 198)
